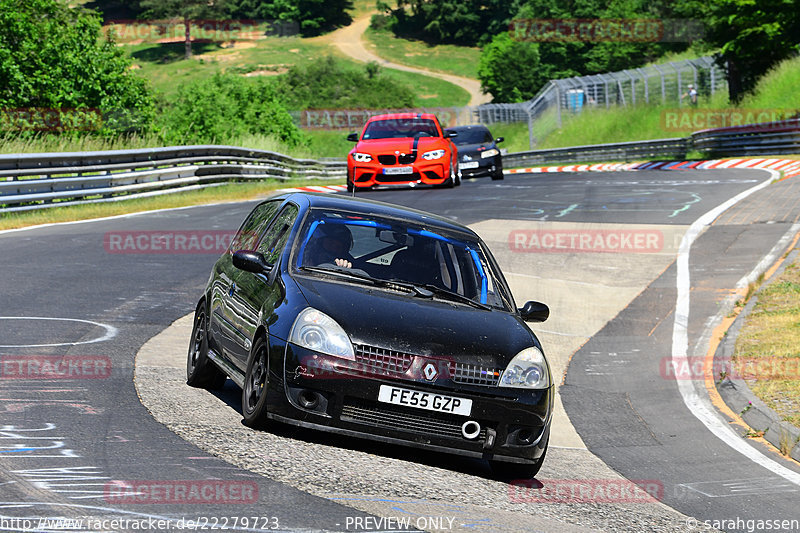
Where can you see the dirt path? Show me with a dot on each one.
(349, 41)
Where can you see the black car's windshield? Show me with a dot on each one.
(399, 128)
(473, 136)
(451, 267)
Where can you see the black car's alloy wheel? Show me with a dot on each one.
(254, 392)
(200, 371)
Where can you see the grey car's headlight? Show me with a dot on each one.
(528, 370)
(317, 331)
(490, 153)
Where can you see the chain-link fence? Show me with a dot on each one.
(662, 84)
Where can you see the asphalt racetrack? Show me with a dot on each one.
(599, 248)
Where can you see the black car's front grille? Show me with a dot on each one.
(387, 159)
(392, 417)
(381, 361)
(474, 375)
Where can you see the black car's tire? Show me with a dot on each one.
(200, 371)
(511, 471)
(498, 175)
(254, 391)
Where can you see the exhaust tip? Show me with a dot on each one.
(470, 430)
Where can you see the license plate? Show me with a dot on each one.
(398, 170)
(425, 400)
(471, 164)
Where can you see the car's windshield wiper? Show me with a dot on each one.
(450, 295)
(391, 284)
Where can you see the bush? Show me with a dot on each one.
(52, 56)
(226, 106)
(327, 84)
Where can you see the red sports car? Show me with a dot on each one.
(402, 149)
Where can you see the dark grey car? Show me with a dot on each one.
(478, 154)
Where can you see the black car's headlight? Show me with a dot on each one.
(528, 370)
(317, 331)
(490, 153)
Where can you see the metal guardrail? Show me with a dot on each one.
(781, 137)
(627, 151)
(35, 181)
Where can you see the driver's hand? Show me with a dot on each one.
(344, 263)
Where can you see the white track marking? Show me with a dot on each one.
(110, 333)
(699, 404)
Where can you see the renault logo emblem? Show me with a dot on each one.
(430, 371)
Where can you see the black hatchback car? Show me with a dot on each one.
(376, 321)
(478, 154)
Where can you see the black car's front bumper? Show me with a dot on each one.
(341, 396)
(489, 166)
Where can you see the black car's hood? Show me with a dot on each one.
(407, 323)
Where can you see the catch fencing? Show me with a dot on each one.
(661, 84)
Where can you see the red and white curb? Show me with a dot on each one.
(789, 167)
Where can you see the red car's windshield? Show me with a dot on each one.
(399, 128)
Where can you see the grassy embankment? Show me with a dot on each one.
(767, 354)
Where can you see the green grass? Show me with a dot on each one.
(224, 193)
(768, 342)
(450, 59)
(165, 68)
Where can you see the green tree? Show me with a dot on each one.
(313, 16)
(186, 10)
(753, 36)
(225, 107)
(510, 69)
(52, 56)
(465, 22)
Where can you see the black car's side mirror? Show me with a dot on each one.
(251, 261)
(499, 140)
(450, 134)
(534, 312)
(353, 137)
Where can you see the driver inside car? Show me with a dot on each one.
(331, 245)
